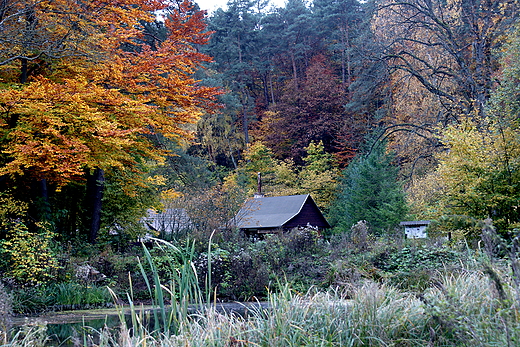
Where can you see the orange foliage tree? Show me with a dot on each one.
(84, 86)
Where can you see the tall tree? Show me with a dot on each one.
(313, 112)
(102, 103)
(442, 56)
(339, 23)
(319, 176)
(370, 191)
(448, 47)
(277, 177)
(505, 102)
(296, 36)
(235, 45)
(477, 177)
(481, 173)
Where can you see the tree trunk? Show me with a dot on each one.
(245, 125)
(265, 85)
(271, 88)
(46, 206)
(23, 72)
(295, 73)
(95, 188)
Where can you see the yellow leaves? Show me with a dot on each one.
(28, 254)
(476, 151)
(61, 130)
(169, 195)
(157, 180)
(477, 175)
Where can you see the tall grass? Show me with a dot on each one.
(464, 308)
(28, 336)
(313, 319)
(474, 309)
(171, 302)
(375, 316)
(461, 310)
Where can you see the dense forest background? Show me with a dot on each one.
(366, 104)
(381, 110)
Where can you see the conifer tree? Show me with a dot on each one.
(370, 191)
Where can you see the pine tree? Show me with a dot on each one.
(370, 191)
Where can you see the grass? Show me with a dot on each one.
(466, 307)
(171, 301)
(461, 310)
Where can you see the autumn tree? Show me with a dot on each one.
(278, 177)
(480, 173)
(220, 136)
(447, 47)
(319, 176)
(267, 58)
(313, 112)
(97, 93)
(443, 58)
(477, 175)
(504, 106)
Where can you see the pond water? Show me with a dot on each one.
(64, 327)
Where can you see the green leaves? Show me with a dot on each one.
(26, 254)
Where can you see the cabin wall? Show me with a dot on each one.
(308, 214)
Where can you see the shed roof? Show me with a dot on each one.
(169, 220)
(271, 212)
(415, 223)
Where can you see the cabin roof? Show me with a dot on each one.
(270, 212)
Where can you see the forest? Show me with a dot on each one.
(382, 110)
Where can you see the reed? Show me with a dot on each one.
(28, 336)
(471, 309)
(463, 308)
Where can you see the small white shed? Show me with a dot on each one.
(415, 229)
(168, 222)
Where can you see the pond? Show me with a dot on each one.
(63, 327)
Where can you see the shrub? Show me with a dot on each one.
(26, 254)
(30, 260)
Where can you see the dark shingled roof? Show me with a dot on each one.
(271, 212)
(415, 223)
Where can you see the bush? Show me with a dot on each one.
(249, 276)
(414, 258)
(26, 254)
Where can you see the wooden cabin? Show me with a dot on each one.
(263, 215)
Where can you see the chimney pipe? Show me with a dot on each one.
(259, 194)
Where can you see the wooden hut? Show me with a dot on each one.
(262, 215)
